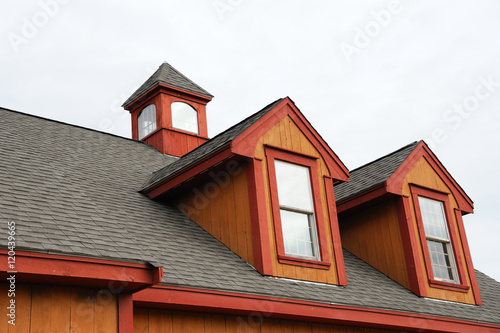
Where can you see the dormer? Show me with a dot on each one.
(402, 214)
(264, 188)
(169, 112)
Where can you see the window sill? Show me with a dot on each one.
(449, 286)
(303, 262)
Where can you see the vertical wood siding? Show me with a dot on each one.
(373, 235)
(54, 309)
(226, 215)
(165, 321)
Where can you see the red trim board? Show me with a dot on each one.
(51, 268)
(190, 299)
(258, 216)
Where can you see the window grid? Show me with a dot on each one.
(438, 240)
(147, 121)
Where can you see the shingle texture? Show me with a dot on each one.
(74, 191)
(213, 145)
(372, 174)
(168, 75)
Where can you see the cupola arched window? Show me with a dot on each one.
(184, 117)
(147, 121)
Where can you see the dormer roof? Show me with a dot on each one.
(387, 174)
(210, 147)
(373, 173)
(167, 75)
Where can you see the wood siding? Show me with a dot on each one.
(224, 211)
(422, 174)
(373, 235)
(54, 309)
(285, 134)
(165, 321)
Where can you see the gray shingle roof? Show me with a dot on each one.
(372, 174)
(170, 76)
(211, 146)
(72, 190)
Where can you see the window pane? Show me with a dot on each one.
(442, 261)
(433, 218)
(294, 186)
(147, 121)
(297, 233)
(184, 117)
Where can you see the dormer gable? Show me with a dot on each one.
(403, 215)
(168, 111)
(233, 187)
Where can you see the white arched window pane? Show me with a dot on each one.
(184, 117)
(147, 121)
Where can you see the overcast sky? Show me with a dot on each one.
(371, 76)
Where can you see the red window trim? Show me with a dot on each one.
(310, 162)
(417, 191)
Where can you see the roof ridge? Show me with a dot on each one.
(385, 156)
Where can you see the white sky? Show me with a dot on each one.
(368, 88)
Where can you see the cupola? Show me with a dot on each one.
(169, 112)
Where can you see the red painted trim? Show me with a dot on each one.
(291, 152)
(196, 97)
(468, 257)
(395, 182)
(410, 247)
(235, 303)
(303, 262)
(258, 215)
(125, 313)
(188, 173)
(177, 130)
(335, 231)
(312, 164)
(245, 143)
(362, 198)
(417, 191)
(41, 267)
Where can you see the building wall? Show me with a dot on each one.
(53, 309)
(373, 235)
(166, 321)
(222, 208)
(422, 174)
(285, 134)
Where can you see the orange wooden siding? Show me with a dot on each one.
(224, 211)
(373, 235)
(166, 321)
(54, 309)
(422, 174)
(285, 134)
